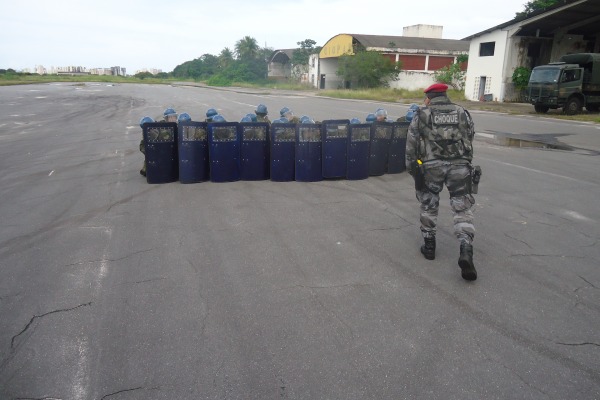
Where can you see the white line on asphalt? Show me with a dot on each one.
(535, 170)
(51, 172)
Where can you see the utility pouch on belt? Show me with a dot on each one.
(475, 177)
(419, 176)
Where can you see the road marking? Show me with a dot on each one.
(535, 170)
(51, 172)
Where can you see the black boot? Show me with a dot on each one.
(428, 249)
(465, 262)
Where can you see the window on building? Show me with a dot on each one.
(487, 49)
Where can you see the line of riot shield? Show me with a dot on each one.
(308, 153)
(335, 146)
(359, 140)
(224, 151)
(396, 162)
(162, 161)
(283, 159)
(193, 152)
(254, 151)
(381, 135)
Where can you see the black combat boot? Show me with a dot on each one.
(428, 249)
(465, 262)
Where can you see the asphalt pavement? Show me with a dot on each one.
(113, 288)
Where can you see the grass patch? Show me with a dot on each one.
(23, 79)
(387, 94)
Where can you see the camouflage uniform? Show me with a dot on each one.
(446, 151)
(262, 118)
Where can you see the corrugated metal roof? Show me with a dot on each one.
(411, 43)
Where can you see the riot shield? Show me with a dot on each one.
(193, 152)
(224, 151)
(162, 161)
(359, 139)
(381, 135)
(396, 162)
(308, 153)
(254, 151)
(335, 146)
(283, 143)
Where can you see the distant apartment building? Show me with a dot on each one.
(153, 71)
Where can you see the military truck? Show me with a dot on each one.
(570, 84)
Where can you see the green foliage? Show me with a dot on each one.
(452, 75)
(367, 69)
(144, 75)
(520, 77)
(200, 68)
(246, 48)
(301, 56)
(536, 5)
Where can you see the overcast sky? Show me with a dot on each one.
(162, 34)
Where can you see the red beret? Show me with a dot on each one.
(436, 87)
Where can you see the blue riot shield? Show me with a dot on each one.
(193, 152)
(396, 162)
(335, 146)
(359, 140)
(308, 153)
(224, 151)
(283, 143)
(254, 151)
(162, 161)
(381, 135)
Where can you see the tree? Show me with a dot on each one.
(225, 58)
(367, 69)
(453, 74)
(301, 56)
(536, 5)
(246, 48)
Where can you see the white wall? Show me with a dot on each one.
(491, 67)
(328, 67)
(413, 80)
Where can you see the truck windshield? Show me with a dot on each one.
(544, 75)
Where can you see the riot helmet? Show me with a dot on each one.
(284, 120)
(184, 117)
(145, 120)
(252, 117)
(381, 114)
(355, 121)
(246, 119)
(412, 110)
(286, 112)
(277, 121)
(371, 118)
(261, 109)
(170, 115)
(211, 112)
(218, 118)
(305, 119)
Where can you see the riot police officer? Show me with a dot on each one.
(381, 115)
(144, 120)
(289, 115)
(210, 113)
(261, 113)
(169, 115)
(439, 150)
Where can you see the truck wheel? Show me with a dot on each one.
(593, 107)
(573, 106)
(541, 109)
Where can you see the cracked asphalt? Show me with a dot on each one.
(111, 288)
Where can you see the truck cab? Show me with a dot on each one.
(569, 84)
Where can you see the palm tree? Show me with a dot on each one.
(246, 48)
(225, 58)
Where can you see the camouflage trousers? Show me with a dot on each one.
(457, 178)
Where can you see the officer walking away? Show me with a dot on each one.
(439, 151)
(144, 120)
(261, 114)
